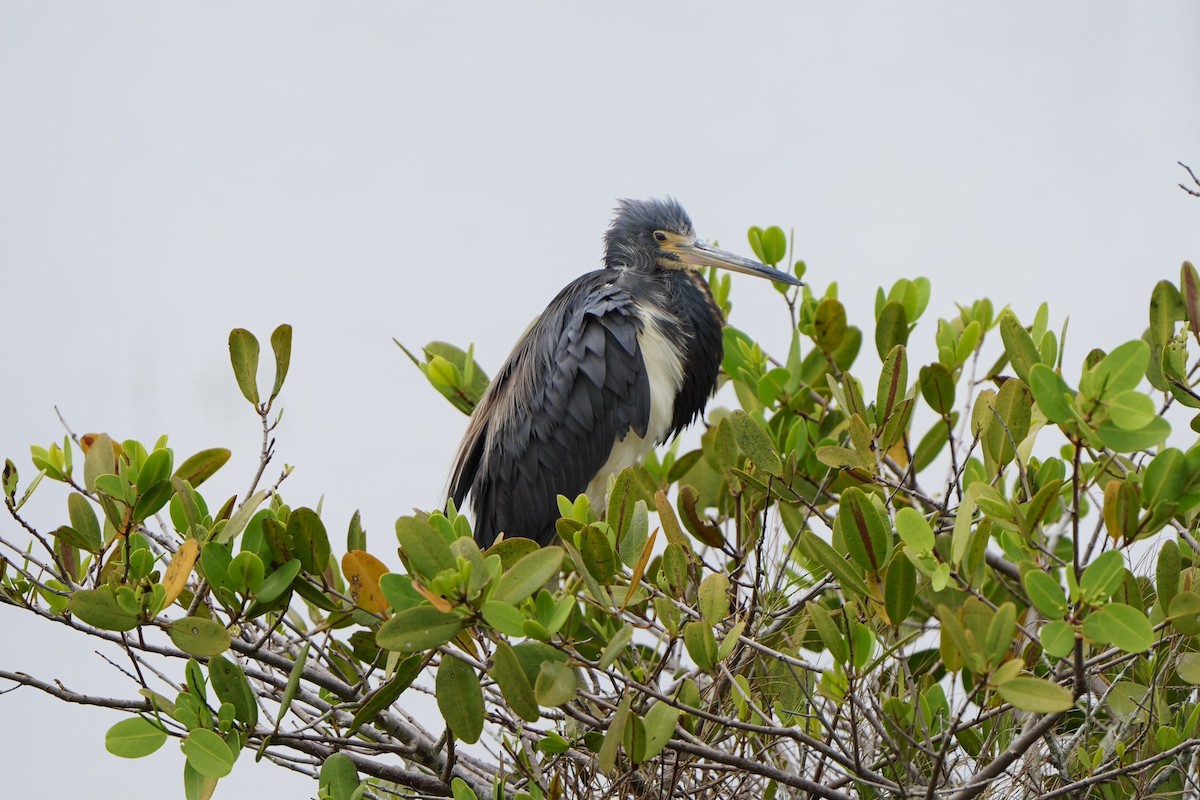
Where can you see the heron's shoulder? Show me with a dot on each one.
(593, 294)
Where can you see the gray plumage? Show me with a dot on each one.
(621, 360)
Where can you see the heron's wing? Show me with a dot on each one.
(574, 385)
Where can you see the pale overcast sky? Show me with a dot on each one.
(369, 170)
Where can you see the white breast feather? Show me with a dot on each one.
(664, 369)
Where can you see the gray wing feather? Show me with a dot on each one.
(573, 386)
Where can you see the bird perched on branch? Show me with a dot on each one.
(621, 360)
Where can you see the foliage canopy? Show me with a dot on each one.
(975, 576)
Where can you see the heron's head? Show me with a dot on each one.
(656, 235)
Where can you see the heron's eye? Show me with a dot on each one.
(660, 236)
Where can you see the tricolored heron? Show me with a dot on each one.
(621, 360)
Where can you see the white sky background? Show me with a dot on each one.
(372, 170)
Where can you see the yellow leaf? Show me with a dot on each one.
(437, 601)
(640, 567)
(179, 569)
(363, 571)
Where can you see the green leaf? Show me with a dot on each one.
(755, 442)
(416, 629)
(387, 694)
(1184, 613)
(701, 644)
(866, 532)
(514, 684)
(1120, 625)
(1122, 369)
(1166, 477)
(1188, 667)
(1046, 594)
(529, 574)
(356, 537)
(1058, 638)
(829, 325)
(504, 617)
(84, 522)
(847, 351)
(1102, 577)
(197, 786)
(1019, 345)
(755, 235)
(281, 344)
(208, 753)
(714, 598)
(246, 570)
(615, 645)
(278, 582)
(338, 777)
(1052, 394)
(1008, 426)
(100, 460)
(156, 467)
(956, 649)
(621, 500)
(1131, 410)
(842, 458)
(961, 534)
(598, 555)
(899, 589)
(243, 354)
(556, 684)
(607, 757)
(1036, 695)
(202, 466)
(774, 245)
(114, 486)
(1166, 308)
(893, 383)
(134, 738)
(153, 500)
(512, 550)
(461, 791)
(659, 722)
(891, 329)
(293, 683)
(630, 545)
(829, 632)
(914, 531)
(1124, 441)
(241, 518)
(424, 549)
(99, 608)
(200, 637)
(310, 542)
(731, 640)
(230, 685)
(999, 638)
(862, 640)
(1166, 573)
(460, 699)
(820, 551)
(937, 387)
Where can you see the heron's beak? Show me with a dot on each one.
(702, 254)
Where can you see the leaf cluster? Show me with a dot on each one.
(867, 580)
